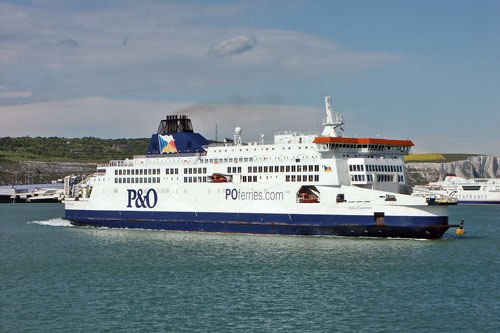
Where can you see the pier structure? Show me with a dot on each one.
(23, 193)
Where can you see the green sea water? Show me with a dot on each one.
(58, 278)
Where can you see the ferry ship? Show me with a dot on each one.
(301, 184)
(462, 191)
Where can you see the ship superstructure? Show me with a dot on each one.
(303, 184)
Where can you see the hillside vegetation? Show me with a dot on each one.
(436, 158)
(56, 149)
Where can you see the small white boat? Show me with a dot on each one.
(46, 195)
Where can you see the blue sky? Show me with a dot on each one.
(424, 70)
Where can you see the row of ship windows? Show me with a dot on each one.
(136, 172)
(226, 160)
(249, 179)
(255, 149)
(254, 179)
(192, 171)
(365, 146)
(189, 171)
(302, 178)
(282, 168)
(255, 169)
(195, 179)
(259, 169)
(380, 168)
(380, 178)
(168, 171)
(288, 178)
(257, 158)
(246, 159)
(137, 180)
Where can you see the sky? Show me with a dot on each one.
(428, 71)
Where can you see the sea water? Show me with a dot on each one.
(58, 278)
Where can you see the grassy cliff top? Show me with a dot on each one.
(436, 158)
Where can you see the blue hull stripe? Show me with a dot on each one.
(295, 224)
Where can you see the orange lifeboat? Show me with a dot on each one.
(306, 198)
(216, 178)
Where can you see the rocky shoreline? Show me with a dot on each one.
(38, 172)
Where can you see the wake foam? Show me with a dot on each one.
(57, 222)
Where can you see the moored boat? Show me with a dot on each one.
(462, 191)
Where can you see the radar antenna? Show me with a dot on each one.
(237, 136)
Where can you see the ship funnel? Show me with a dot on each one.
(175, 124)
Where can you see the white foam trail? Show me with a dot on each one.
(57, 222)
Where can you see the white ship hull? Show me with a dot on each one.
(270, 208)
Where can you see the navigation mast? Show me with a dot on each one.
(332, 125)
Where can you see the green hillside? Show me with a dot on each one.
(56, 149)
(436, 158)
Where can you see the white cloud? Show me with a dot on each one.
(165, 51)
(14, 94)
(107, 118)
(312, 55)
(233, 45)
(95, 116)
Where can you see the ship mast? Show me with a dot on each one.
(332, 125)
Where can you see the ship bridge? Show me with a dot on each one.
(334, 144)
